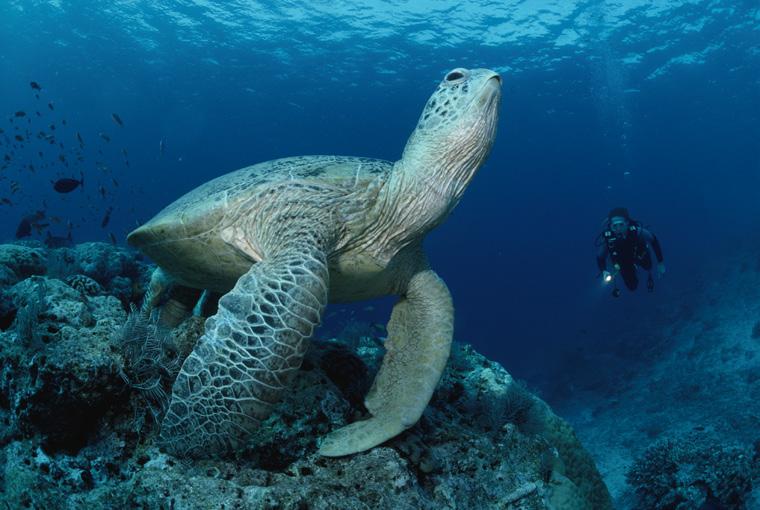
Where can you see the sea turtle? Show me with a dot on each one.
(282, 238)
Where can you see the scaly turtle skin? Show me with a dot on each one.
(282, 238)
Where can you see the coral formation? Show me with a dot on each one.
(692, 471)
(151, 358)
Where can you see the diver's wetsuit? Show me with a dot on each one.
(628, 252)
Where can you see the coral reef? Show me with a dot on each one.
(77, 404)
(692, 471)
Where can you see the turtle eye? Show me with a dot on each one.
(454, 76)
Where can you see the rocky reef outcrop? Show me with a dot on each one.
(77, 430)
(668, 401)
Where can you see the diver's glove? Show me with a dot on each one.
(660, 269)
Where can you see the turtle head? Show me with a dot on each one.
(450, 143)
(456, 130)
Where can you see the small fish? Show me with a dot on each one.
(67, 184)
(35, 85)
(38, 114)
(117, 119)
(161, 148)
(115, 182)
(24, 228)
(104, 137)
(5, 201)
(20, 113)
(106, 218)
(15, 186)
(112, 238)
(50, 105)
(19, 138)
(102, 190)
(62, 158)
(41, 155)
(63, 122)
(80, 140)
(124, 151)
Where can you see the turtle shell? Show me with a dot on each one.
(185, 238)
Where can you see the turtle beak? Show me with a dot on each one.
(494, 83)
(491, 90)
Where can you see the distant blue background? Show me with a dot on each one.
(669, 93)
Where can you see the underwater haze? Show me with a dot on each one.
(652, 105)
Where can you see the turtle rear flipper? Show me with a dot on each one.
(179, 304)
(160, 284)
(248, 354)
(419, 341)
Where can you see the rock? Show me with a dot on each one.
(60, 375)
(103, 262)
(78, 435)
(19, 261)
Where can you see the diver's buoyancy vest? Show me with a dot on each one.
(611, 239)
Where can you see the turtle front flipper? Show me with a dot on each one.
(419, 341)
(248, 354)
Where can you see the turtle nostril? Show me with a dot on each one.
(454, 75)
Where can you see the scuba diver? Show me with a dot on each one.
(627, 244)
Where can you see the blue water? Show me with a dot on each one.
(668, 91)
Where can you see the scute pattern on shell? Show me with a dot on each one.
(220, 190)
